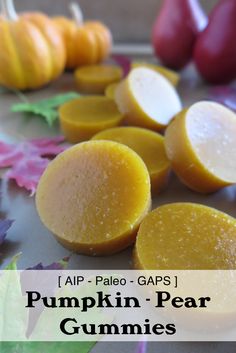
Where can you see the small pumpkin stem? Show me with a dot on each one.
(8, 10)
(77, 13)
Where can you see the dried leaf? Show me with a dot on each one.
(46, 347)
(225, 95)
(46, 108)
(60, 265)
(4, 227)
(27, 172)
(124, 62)
(35, 314)
(27, 159)
(12, 304)
(13, 263)
(142, 347)
(43, 347)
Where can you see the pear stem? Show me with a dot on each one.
(8, 10)
(77, 13)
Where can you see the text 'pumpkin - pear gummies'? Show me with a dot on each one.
(185, 236)
(201, 146)
(93, 197)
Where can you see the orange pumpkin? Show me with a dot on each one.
(32, 51)
(87, 43)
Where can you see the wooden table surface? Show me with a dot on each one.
(35, 242)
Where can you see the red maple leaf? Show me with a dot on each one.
(28, 160)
